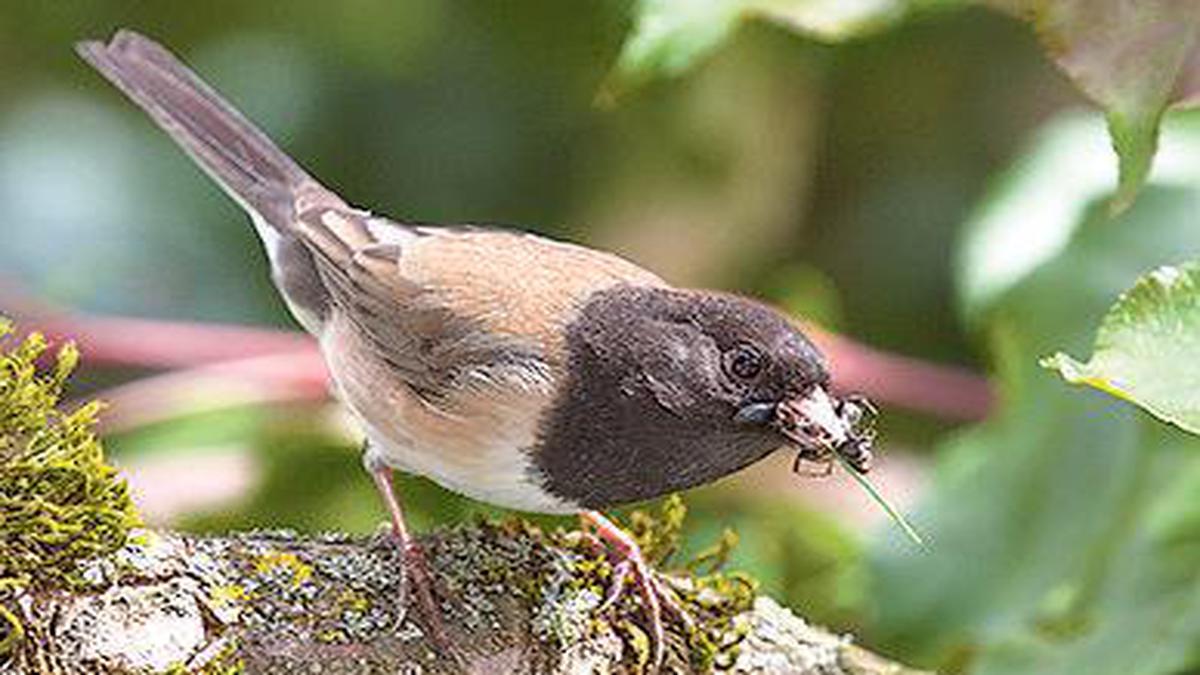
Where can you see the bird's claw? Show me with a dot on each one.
(631, 569)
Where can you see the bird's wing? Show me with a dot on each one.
(454, 306)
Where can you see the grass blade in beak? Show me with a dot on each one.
(900, 521)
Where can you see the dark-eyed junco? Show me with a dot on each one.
(521, 371)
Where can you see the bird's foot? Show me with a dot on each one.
(632, 571)
(421, 585)
(417, 575)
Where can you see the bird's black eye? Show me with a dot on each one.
(744, 362)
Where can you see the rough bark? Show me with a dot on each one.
(274, 602)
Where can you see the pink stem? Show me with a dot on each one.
(949, 392)
(145, 343)
(287, 377)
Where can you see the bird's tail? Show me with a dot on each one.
(236, 154)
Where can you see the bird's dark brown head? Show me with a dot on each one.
(668, 389)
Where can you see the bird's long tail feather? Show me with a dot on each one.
(236, 154)
(233, 151)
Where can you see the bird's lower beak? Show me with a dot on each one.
(812, 421)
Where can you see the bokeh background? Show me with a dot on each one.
(934, 190)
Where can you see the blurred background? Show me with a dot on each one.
(932, 192)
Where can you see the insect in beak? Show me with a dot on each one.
(826, 430)
(822, 426)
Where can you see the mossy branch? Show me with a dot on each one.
(272, 602)
(82, 589)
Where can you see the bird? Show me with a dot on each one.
(518, 370)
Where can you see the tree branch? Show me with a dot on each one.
(273, 602)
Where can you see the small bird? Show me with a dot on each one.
(521, 371)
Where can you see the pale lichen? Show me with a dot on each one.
(275, 581)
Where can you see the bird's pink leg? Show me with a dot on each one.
(383, 482)
(632, 568)
(414, 558)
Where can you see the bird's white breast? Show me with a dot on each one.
(477, 445)
(501, 472)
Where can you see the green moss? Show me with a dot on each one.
(60, 503)
(228, 595)
(638, 642)
(11, 630)
(226, 662)
(271, 561)
(659, 536)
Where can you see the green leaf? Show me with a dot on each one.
(1138, 612)
(1148, 348)
(832, 20)
(670, 36)
(1033, 210)
(1134, 59)
(1063, 532)
(1131, 58)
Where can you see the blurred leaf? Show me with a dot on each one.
(211, 428)
(807, 292)
(670, 36)
(1031, 213)
(73, 170)
(1134, 59)
(1138, 611)
(1148, 348)
(1176, 517)
(1059, 540)
(1129, 57)
(311, 483)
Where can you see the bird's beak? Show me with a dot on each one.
(757, 414)
(812, 421)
